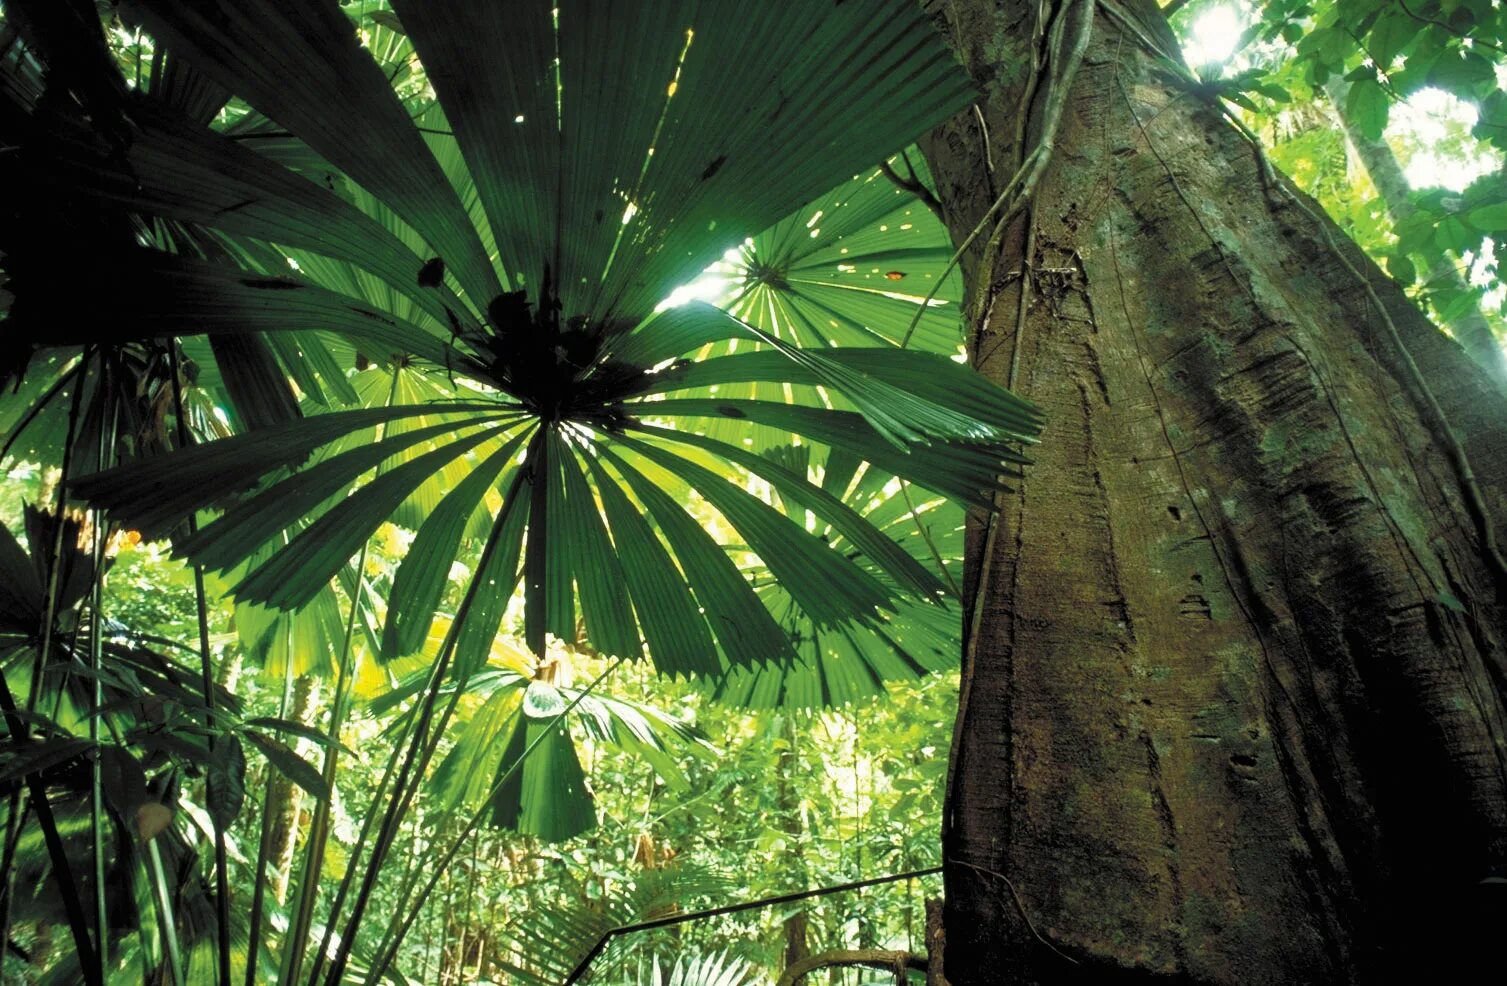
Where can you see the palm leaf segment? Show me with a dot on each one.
(849, 269)
(614, 152)
(838, 665)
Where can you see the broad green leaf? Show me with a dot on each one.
(1489, 218)
(498, 574)
(173, 295)
(247, 526)
(288, 763)
(313, 557)
(827, 586)
(678, 638)
(845, 521)
(1368, 106)
(180, 170)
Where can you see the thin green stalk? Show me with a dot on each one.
(62, 871)
(78, 921)
(472, 885)
(419, 732)
(96, 692)
(445, 913)
(206, 671)
(430, 746)
(55, 573)
(13, 836)
(347, 881)
(931, 543)
(165, 915)
(428, 950)
(413, 872)
(296, 939)
(390, 949)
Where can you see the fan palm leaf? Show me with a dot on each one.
(604, 174)
(848, 269)
(710, 969)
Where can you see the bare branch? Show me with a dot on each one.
(914, 186)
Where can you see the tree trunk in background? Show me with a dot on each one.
(788, 802)
(285, 799)
(1237, 711)
(1470, 326)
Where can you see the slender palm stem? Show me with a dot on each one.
(414, 871)
(13, 836)
(206, 670)
(96, 687)
(319, 826)
(55, 571)
(165, 915)
(295, 940)
(78, 922)
(348, 880)
(472, 885)
(390, 950)
(417, 745)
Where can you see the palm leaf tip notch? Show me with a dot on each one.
(612, 152)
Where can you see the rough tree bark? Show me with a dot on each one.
(1234, 712)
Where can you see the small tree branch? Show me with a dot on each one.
(1173, 7)
(869, 958)
(914, 186)
(1473, 38)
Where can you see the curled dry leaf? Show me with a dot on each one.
(151, 818)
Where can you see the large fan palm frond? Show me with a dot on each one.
(854, 267)
(604, 174)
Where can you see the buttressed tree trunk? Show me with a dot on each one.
(1233, 708)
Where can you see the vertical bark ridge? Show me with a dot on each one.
(1237, 713)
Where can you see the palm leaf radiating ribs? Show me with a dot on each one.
(616, 150)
